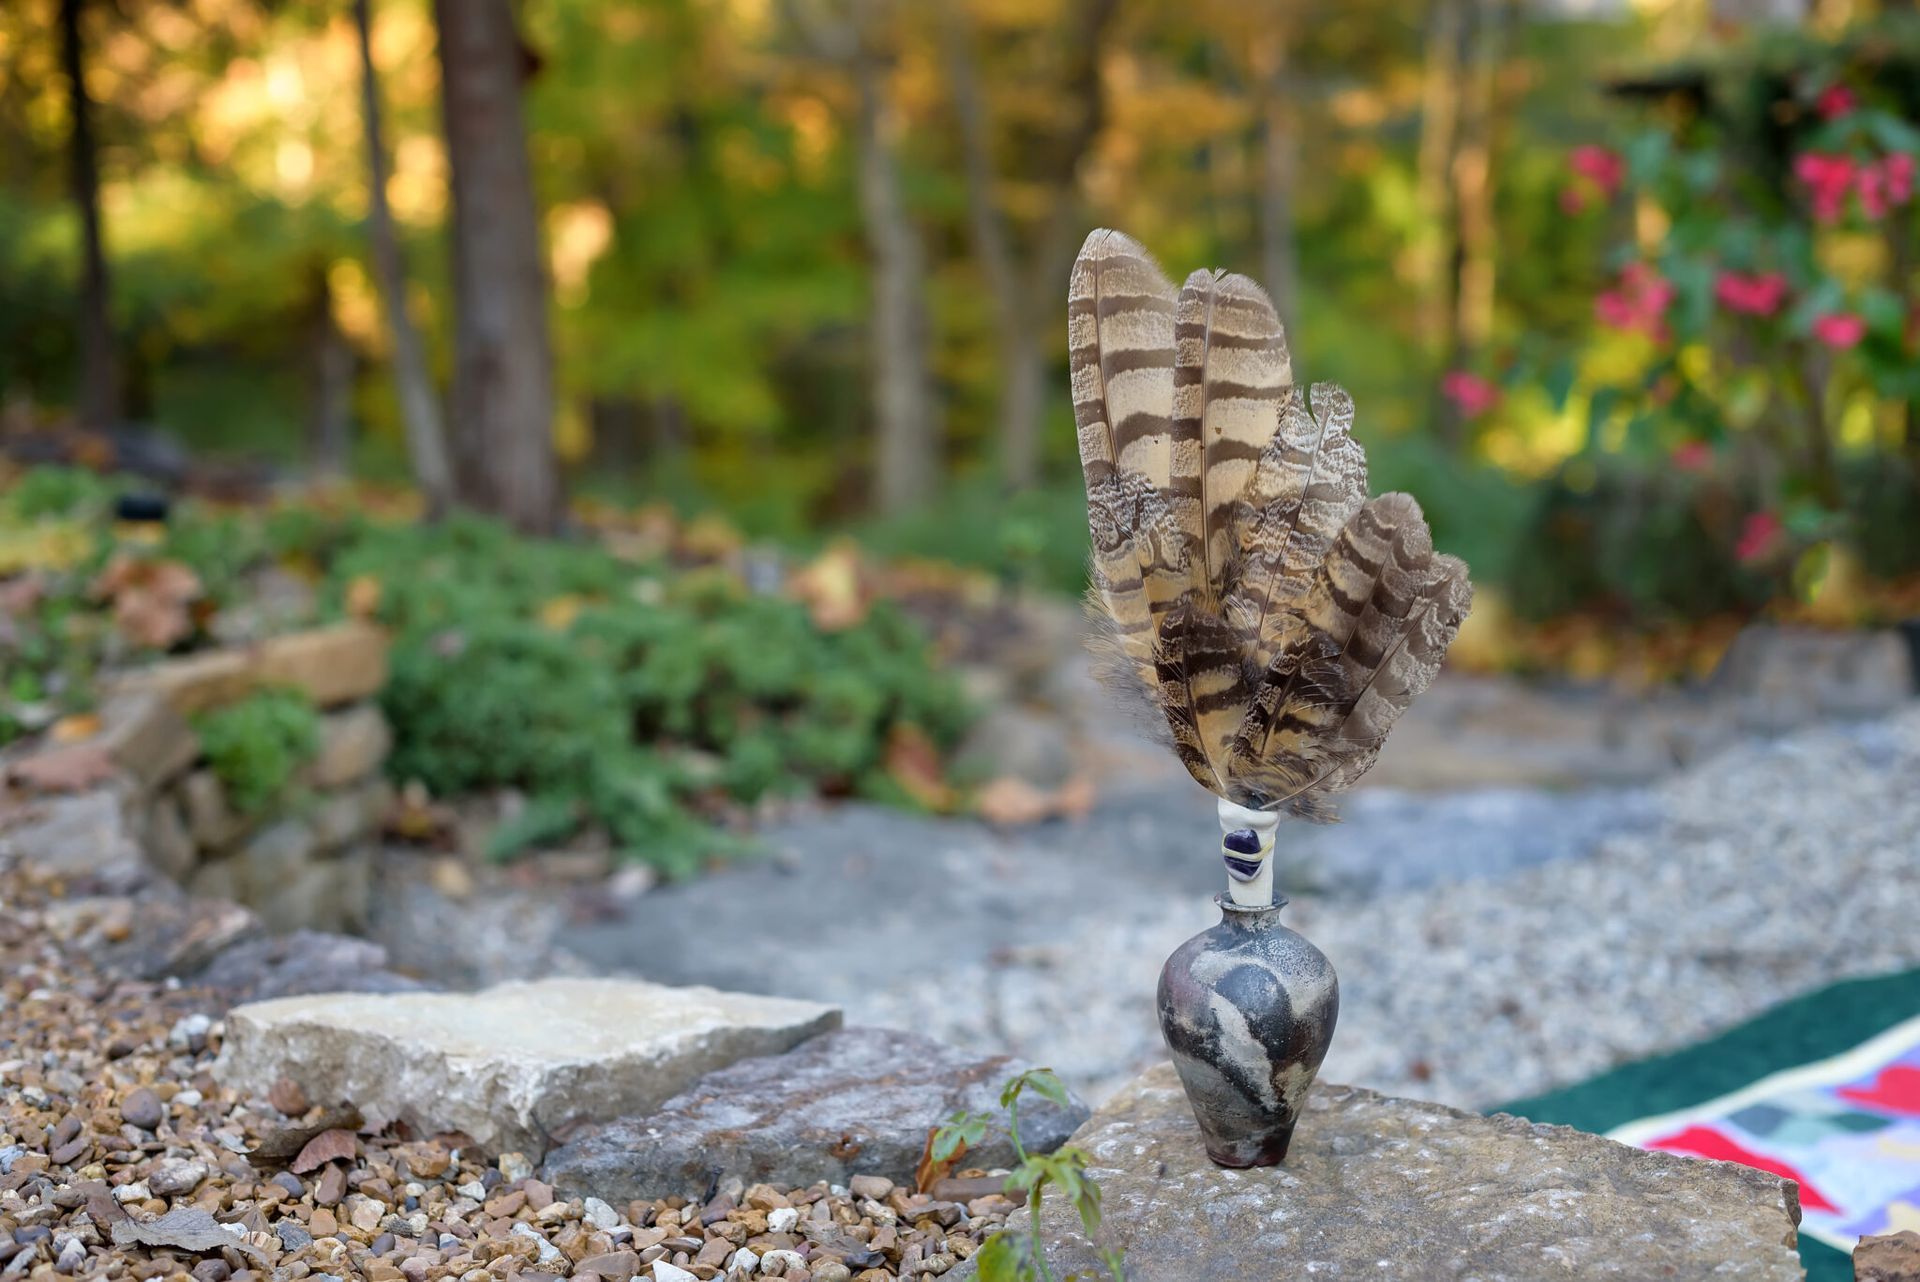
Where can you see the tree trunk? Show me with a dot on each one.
(1439, 128)
(413, 384)
(1279, 166)
(502, 398)
(904, 462)
(1473, 183)
(330, 380)
(98, 401)
(1022, 372)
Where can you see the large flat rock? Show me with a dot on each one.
(855, 1102)
(510, 1065)
(1378, 1187)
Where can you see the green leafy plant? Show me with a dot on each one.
(1019, 1257)
(256, 746)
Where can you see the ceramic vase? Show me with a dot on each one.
(1248, 1009)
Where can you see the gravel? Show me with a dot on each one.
(122, 1157)
(1765, 872)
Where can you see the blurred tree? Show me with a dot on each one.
(1026, 286)
(1276, 100)
(419, 402)
(99, 378)
(857, 38)
(503, 364)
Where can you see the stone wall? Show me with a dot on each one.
(139, 785)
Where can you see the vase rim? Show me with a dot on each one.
(1227, 905)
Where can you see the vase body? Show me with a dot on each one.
(1248, 1009)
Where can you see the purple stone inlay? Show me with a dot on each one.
(1241, 869)
(1242, 841)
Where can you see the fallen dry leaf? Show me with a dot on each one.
(74, 728)
(72, 768)
(363, 596)
(914, 763)
(929, 1170)
(185, 1228)
(323, 1148)
(277, 1148)
(152, 600)
(1007, 801)
(833, 587)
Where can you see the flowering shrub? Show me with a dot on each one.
(1761, 305)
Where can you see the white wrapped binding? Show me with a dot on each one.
(1258, 891)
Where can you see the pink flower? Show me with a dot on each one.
(1839, 330)
(1758, 536)
(1693, 456)
(1871, 184)
(1759, 294)
(1600, 166)
(1897, 169)
(1470, 394)
(1639, 302)
(1828, 179)
(1836, 101)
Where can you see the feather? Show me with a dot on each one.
(1275, 621)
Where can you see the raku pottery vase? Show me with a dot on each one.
(1248, 1009)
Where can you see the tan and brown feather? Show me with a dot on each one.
(1276, 620)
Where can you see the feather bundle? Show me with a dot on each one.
(1276, 619)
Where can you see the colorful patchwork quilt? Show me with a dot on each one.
(1847, 1129)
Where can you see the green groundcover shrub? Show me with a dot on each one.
(642, 699)
(257, 745)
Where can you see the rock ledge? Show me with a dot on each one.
(1379, 1187)
(510, 1065)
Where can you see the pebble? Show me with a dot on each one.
(874, 1187)
(175, 1175)
(143, 1108)
(120, 1080)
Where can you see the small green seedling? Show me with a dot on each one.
(1017, 1257)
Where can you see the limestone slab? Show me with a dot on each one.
(509, 1065)
(855, 1102)
(1386, 1188)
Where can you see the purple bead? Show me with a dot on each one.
(1243, 841)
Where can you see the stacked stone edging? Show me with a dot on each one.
(304, 860)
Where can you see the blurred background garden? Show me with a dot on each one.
(533, 453)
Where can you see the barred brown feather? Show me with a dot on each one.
(1277, 620)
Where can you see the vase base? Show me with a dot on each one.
(1266, 1150)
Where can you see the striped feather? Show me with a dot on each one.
(1277, 621)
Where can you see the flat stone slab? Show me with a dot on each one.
(855, 1102)
(510, 1065)
(1378, 1187)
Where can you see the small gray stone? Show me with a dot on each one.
(175, 1175)
(862, 1099)
(353, 743)
(87, 832)
(142, 1108)
(213, 822)
(351, 814)
(274, 857)
(1438, 1192)
(169, 845)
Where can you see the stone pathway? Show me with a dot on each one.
(1491, 942)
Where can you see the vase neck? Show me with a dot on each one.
(1248, 917)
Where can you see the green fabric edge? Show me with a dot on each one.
(1813, 1027)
